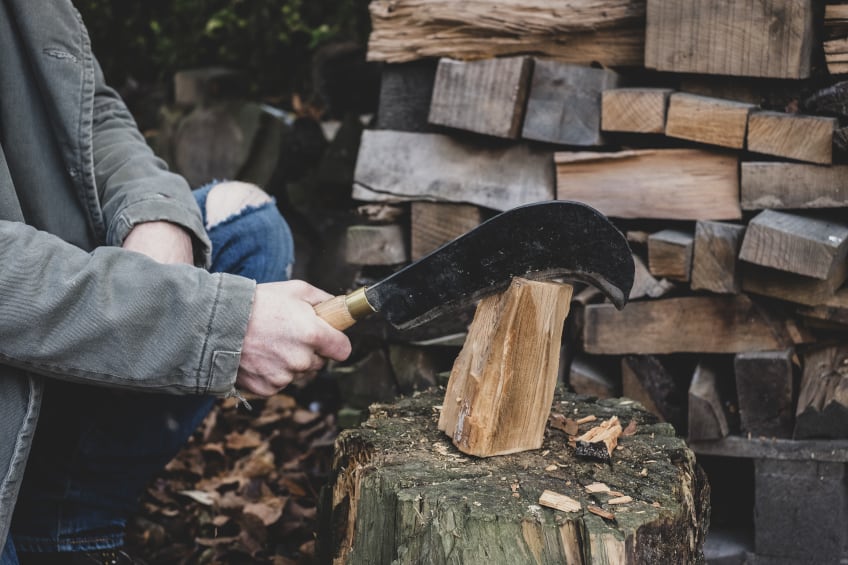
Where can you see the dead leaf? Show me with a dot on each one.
(268, 511)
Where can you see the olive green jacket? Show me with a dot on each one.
(90, 312)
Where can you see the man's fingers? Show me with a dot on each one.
(308, 293)
(335, 345)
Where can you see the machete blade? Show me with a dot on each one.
(537, 241)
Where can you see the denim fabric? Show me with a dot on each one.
(96, 448)
(8, 555)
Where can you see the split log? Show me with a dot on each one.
(405, 93)
(707, 120)
(610, 32)
(403, 494)
(376, 245)
(670, 254)
(791, 287)
(805, 138)
(760, 39)
(707, 417)
(823, 401)
(399, 166)
(434, 224)
(646, 380)
(793, 186)
(564, 103)
(707, 324)
(502, 383)
(481, 96)
(674, 184)
(714, 257)
(588, 375)
(798, 244)
(764, 383)
(635, 110)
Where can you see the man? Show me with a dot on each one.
(110, 334)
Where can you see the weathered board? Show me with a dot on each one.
(764, 383)
(714, 257)
(670, 254)
(727, 37)
(635, 110)
(793, 186)
(405, 93)
(401, 493)
(399, 166)
(435, 223)
(679, 184)
(376, 245)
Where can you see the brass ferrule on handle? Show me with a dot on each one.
(357, 304)
(342, 312)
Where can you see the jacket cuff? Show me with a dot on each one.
(224, 340)
(158, 207)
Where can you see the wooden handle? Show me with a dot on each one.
(342, 312)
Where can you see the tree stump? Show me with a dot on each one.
(403, 494)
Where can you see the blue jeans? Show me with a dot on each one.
(96, 449)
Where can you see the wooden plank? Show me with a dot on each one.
(836, 56)
(670, 254)
(481, 96)
(822, 410)
(399, 166)
(725, 37)
(793, 186)
(497, 404)
(435, 223)
(634, 110)
(835, 451)
(714, 257)
(679, 184)
(791, 287)
(764, 385)
(405, 93)
(609, 32)
(833, 309)
(564, 103)
(805, 138)
(707, 120)
(804, 245)
(376, 245)
(707, 324)
(707, 418)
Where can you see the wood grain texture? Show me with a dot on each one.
(399, 166)
(793, 186)
(670, 254)
(635, 110)
(771, 38)
(790, 287)
(434, 224)
(610, 32)
(707, 120)
(822, 409)
(833, 309)
(714, 257)
(705, 324)
(764, 384)
(804, 245)
(376, 245)
(707, 418)
(405, 93)
(681, 184)
(481, 96)
(564, 103)
(805, 138)
(836, 55)
(502, 384)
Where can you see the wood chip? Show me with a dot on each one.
(605, 514)
(559, 501)
(630, 429)
(553, 467)
(597, 487)
(600, 442)
(587, 419)
(620, 500)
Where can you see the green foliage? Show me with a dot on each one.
(270, 40)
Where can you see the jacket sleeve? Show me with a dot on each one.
(133, 184)
(117, 318)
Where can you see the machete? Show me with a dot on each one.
(538, 241)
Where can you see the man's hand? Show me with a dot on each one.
(285, 340)
(163, 241)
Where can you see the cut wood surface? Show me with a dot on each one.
(804, 245)
(670, 254)
(376, 245)
(823, 401)
(793, 186)
(436, 223)
(707, 120)
(610, 32)
(707, 419)
(714, 257)
(836, 43)
(836, 55)
(725, 37)
(805, 138)
(401, 491)
(502, 384)
(564, 103)
(681, 184)
(481, 96)
(635, 110)
(399, 166)
(764, 384)
(707, 324)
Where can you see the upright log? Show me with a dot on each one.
(823, 401)
(502, 383)
(402, 494)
